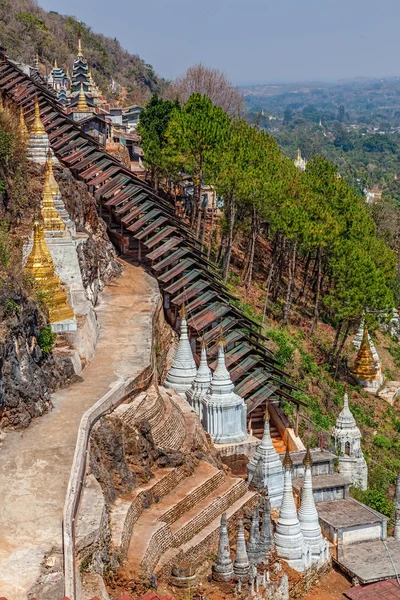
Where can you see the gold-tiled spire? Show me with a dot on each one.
(307, 462)
(80, 44)
(182, 312)
(37, 127)
(22, 125)
(364, 366)
(51, 219)
(82, 105)
(53, 183)
(287, 461)
(40, 266)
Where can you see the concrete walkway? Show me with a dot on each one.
(35, 464)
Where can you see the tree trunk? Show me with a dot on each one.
(227, 261)
(211, 232)
(271, 270)
(203, 230)
(291, 282)
(335, 343)
(248, 274)
(305, 276)
(316, 306)
(342, 343)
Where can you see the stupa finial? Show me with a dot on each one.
(287, 461)
(308, 462)
(82, 105)
(37, 127)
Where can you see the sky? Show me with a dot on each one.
(252, 41)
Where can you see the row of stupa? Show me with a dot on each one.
(297, 538)
(222, 412)
(51, 255)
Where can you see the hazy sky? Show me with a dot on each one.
(253, 41)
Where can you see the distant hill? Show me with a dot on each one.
(26, 29)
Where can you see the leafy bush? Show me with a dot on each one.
(12, 308)
(381, 441)
(376, 499)
(286, 346)
(46, 340)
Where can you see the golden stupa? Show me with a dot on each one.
(53, 182)
(37, 127)
(40, 266)
(364, 368)
(51, 218)
(82, 105)
(22, 125)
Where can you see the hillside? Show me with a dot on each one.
(26, 29)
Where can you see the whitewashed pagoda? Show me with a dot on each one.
(265, 467)
(308, 517)
(347, 438)
(289, 540)
(201, 383)
(183, 370)
(224, 412)
(300, 162)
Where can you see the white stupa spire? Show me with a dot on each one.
(201, 383)
(183, 370)
(265, 467)
(224, 412)
(308, 516)
(289, 540)
(347, 438)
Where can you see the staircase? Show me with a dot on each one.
(257, 426)
(185, 522)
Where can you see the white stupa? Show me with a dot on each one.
(265, 467)
(289, 540)
(201, 383)
(183, 370)
(224, 412)
(308, 517)
(347, 438)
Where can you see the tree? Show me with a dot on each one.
(207, 82)
(153, 125)
(194, 133)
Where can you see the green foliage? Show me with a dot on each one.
(11, 308)
(376, 499)
(46, 340)
(381, 441)
(285, 343)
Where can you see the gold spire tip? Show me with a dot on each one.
(221, 338)
(266, 414)
(287, 461)
(182, 312)
(203, 343)
(37, 127)
(308, 462)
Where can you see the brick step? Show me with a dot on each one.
(180, 498)
(199, 546)
(207, 510)
(170, 432)
(151, 408)
(126, 510)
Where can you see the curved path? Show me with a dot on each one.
(35, 464)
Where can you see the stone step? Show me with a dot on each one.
(170, 432)
(180, 498)
(208, 509)
(126, 510)
(197, 548)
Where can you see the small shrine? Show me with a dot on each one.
(300, 162)
(265, 469)
(347, 437)
(224, 412)
(366, 369)
(201, 383)
(183, 370)
(289, 539)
